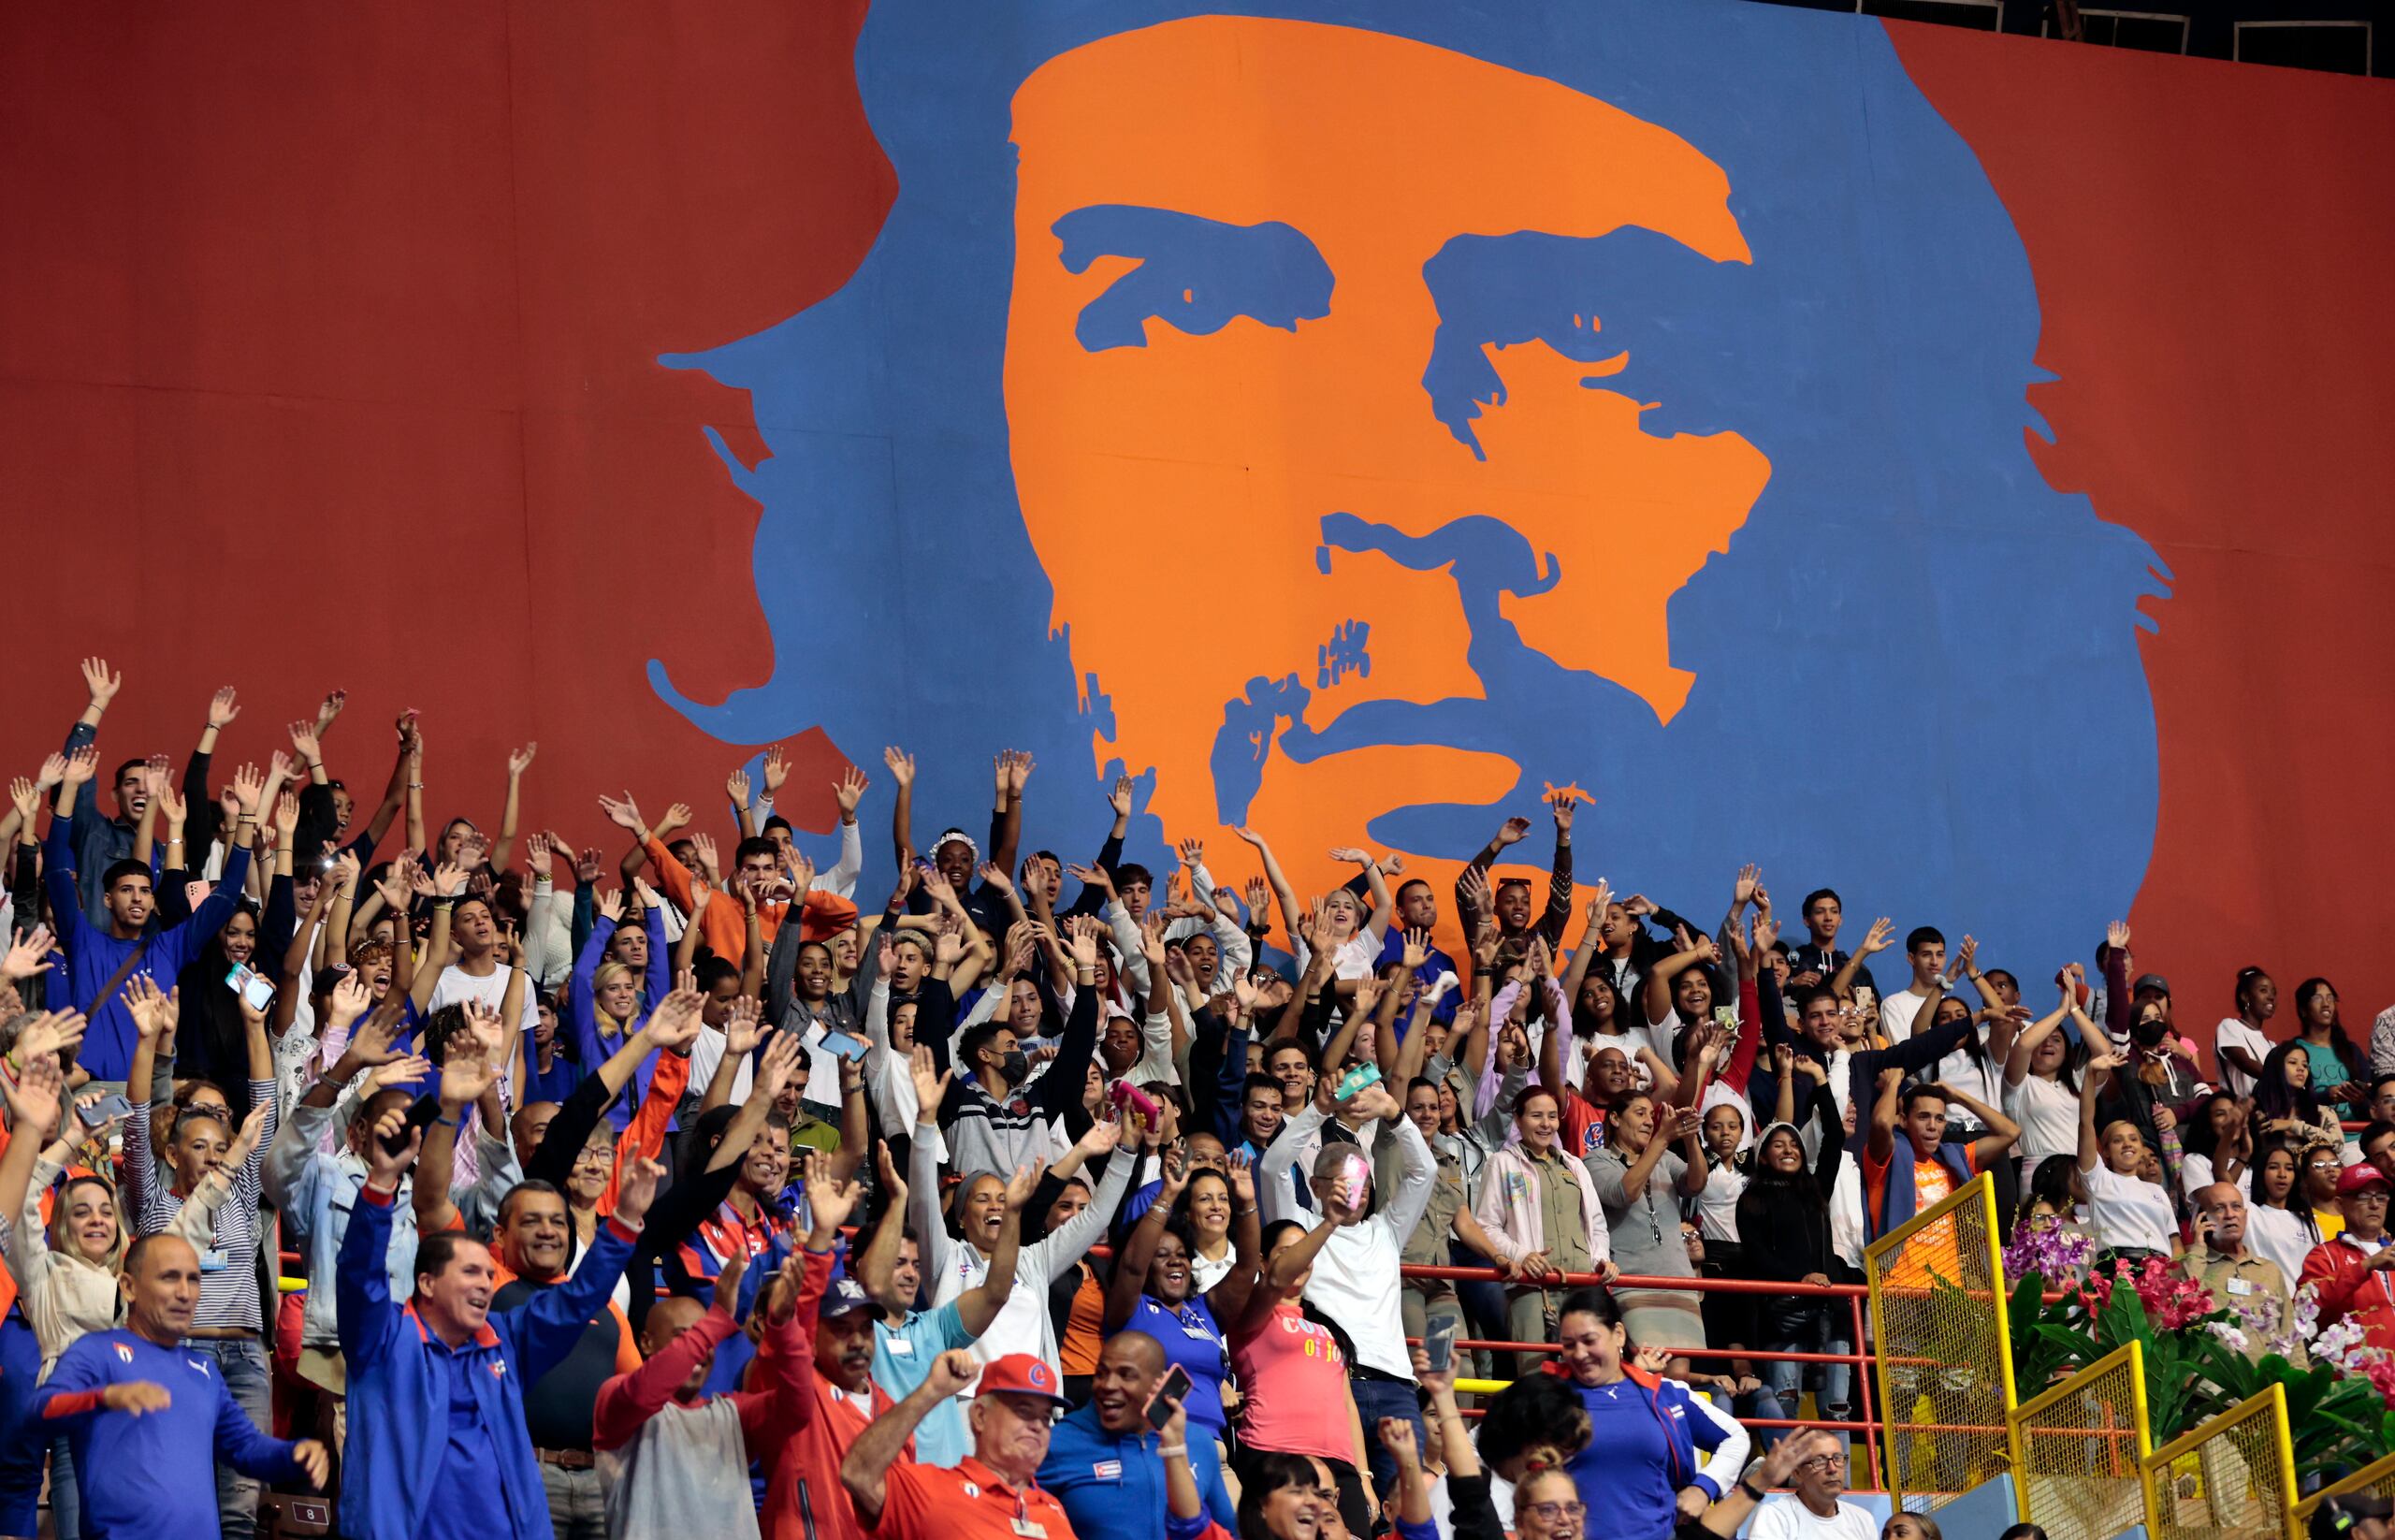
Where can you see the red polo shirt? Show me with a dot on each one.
(968, 1502)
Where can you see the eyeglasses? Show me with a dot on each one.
(1553, 1513)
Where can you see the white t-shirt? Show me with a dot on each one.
(2280, 1236)
(1717, 1206)
(2233, 1033)
(2048, 1115)
(1786, 1519)
(2195, 1174)
(1976, 1076)
(1896, 1014)
(2129, 1213)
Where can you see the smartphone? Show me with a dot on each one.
(1128, 1095)
(843, 1044)
(420, 1116)
(1358, 1176)
(1174, 1386)
(1724, 1016)
(1439, 1344)
(250, 985)
(103, 1110)
(1356, 1079)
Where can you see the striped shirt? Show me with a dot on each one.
(228, 1282)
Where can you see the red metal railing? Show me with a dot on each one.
(1863, 1428)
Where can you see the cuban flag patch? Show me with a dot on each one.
(1108, 1470)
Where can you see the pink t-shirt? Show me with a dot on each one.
(1292, 1375)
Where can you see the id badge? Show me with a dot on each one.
(1031, 1529)
(211, 1260)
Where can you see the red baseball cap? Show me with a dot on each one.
(2357, 1177)
(1021, 1374)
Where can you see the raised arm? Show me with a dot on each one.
(1282, 892)
(2091, 1080)
(866, 1469)
(1139, 1251)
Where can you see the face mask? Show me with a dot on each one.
(1015, 1066)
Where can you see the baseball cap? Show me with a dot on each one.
(845, 1295)
(2337, 1516)
(2357, 1177)
(2153, 982)
(1021, 1374)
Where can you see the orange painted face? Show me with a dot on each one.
(1168, 485)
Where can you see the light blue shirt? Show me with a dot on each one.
(901, 1360)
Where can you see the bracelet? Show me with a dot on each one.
(447, 1122)
(415, 786)
(1167, 1451)
(1747, 1485)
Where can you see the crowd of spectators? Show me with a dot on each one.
(675, 1193)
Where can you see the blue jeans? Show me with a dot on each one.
(1835, 1381)
(241, 1362)
(1378, 1399)
(21, 1448)
(66, 1498)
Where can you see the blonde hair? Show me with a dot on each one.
(607, 974)
(66, 1245)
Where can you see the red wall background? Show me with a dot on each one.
(325, 359)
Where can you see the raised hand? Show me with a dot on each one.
(742, 1026)
(901, 764)
(1119, 798)
(1102, 1136)
(636, 1187)
(1880, 937)
(588, 865)
(350, 999)
(81, 766)
(1243, 1178)
(727, 1276)
(1964, 954)
(847, 790)
(1512, 832)
(1742, 892)
(303, 740)
(34, 1102)
(2118, 934)
(521, 761)
(776, 769)
(735, 786)
(249, 786)
(153, 1014)
(623, 812)
(100, 681)
(286, 815)
(383, 1168)
(28, 955)
(931, 1083)
(1350, 856)
(223, 707)
(894, 1187)
(993, 877)
(26, 794)
(676, 1022)
(780, 1061)
(951, 1371)
(1259, 893)
(330, 709)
